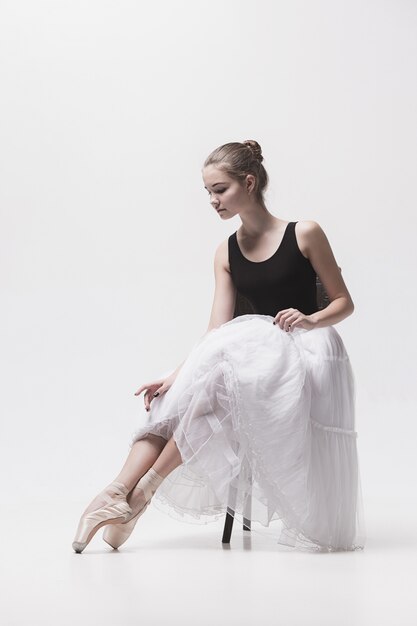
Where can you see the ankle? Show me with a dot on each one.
(118, 488)
(150, 482)
(157, 478)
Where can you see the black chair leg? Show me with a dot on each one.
(228, 522)
(228, 525)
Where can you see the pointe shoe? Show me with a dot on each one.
(117, 534)
(114, 510)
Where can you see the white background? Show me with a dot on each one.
(108, 110)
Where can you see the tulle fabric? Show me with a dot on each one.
(264, 420)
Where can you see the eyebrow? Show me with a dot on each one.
(214, 184)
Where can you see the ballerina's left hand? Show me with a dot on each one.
(288, 319)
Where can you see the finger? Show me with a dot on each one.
(160, 391)
(289, 319)
(152, 385)
(292, 322)
(141, 388)
(283, 320)
(289, 323)
(279, 315)
(147, 401)
(297, 322)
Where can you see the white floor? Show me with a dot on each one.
(170, 572)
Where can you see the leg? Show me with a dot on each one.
(116, 503)
(168, 460)
(140, 496)
(141, 457)
(112, 505)
(163, 461)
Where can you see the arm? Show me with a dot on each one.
(224, 293)
(318, 250)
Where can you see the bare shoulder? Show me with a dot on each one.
(310, 235)
(221, 256)
(308, 228)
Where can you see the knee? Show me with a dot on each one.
(157, 439)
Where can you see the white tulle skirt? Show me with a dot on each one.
(264, 420)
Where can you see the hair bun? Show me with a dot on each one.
(255, 148)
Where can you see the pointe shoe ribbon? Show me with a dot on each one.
(115, 511)
(116, 534)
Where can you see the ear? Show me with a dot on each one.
(250, 182)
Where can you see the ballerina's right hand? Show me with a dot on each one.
(155, 389)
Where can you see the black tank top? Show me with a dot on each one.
(287, 279)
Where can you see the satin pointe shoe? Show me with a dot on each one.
(116, 534)
(109, 507)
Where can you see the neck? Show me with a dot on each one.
(257, 220)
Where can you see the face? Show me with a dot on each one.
(227, 196)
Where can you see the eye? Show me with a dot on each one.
(218, 191)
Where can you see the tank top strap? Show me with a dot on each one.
(288, 238)
(292, 239)
(294, 245)
(233, 249)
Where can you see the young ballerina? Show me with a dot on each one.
(259, 419)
